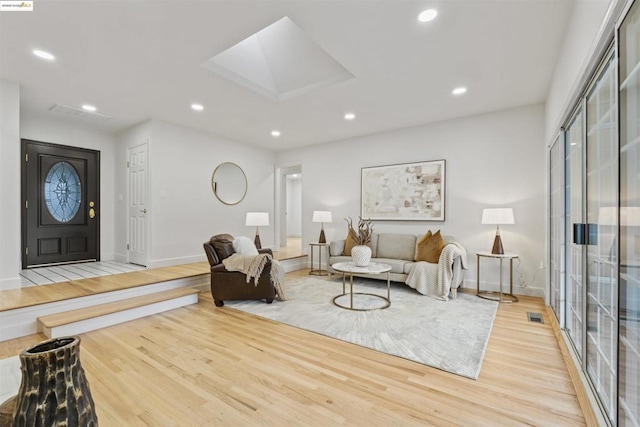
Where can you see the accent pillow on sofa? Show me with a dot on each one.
(244, 246)
(429, 247)
(349, 243)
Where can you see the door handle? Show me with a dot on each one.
(143, 211)
(585, 234)
(579, 234)
(592, 234)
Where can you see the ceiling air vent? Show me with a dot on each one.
(79, 113)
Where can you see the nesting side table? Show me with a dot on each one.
(321, 247)
(492, 295)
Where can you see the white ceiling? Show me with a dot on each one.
(137, 60)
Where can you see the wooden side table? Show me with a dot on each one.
(319, 271)
(493, 295)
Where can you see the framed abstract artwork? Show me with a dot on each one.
(409, 191)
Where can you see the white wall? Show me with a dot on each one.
(10, 241)
(579, 41)
(184, 211)
(80, 135)
(495, 159)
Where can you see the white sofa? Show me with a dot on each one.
(399, 250)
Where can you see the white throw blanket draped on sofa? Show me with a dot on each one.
(421, 276)
(252, 266)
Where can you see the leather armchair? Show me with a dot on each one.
(232, 285)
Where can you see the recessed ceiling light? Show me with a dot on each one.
(197, 107)
(427, 15)
(275, 133)
(89, 108)
(44, 55)
(459, 90)
(349, 116)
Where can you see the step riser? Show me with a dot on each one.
(23, 321)
(116, 318)
(294, 264)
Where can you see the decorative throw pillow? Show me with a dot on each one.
(244, 246)
(429, 247)
(350, 243)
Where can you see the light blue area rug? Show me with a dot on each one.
(448, 335)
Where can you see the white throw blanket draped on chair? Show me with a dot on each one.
(435, 280)
(252, 266)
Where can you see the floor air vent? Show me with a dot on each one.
(535, 317)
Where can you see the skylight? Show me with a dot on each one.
(279, 62)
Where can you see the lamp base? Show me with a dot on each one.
(256, 241)
(322, 239)
(497, 246)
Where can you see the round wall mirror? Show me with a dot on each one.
(229, 183)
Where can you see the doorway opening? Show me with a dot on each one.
(288, 210)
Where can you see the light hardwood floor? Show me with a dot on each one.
(202, 365)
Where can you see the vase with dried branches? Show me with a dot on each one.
(361, 253)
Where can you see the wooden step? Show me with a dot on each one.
(103, 315)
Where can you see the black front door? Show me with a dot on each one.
(60, 215)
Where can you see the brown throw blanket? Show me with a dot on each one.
(252, 266)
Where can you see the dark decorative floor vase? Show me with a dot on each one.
(54, 390)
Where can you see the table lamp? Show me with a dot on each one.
(321, 217)
(497, 216)
(257, 219)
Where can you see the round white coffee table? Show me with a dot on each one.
(351, 268)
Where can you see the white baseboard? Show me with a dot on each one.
(10, 283)
(120, 257)
(495, 287)
(294, 264)
(107, 256)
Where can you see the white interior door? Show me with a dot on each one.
(138, 204)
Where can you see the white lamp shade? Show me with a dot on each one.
(257, 219)
(497, 216)
(321, 216)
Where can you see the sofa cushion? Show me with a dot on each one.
(374, 245)
(339, 258)
(431, 268)
(396, 246)
(336, 247)
(429, 247)
(397, 265)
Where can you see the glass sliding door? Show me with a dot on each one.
(629, 327)
(556, 247)
(574, 232)
(601, 237)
